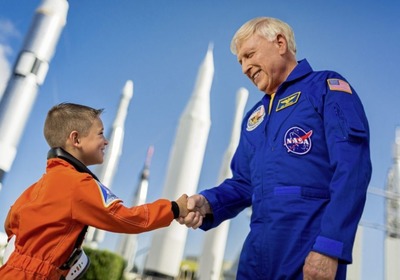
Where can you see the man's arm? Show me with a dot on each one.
(347, 137)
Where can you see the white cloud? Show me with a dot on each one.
(7, 30)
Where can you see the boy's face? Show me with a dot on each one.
(93, 144)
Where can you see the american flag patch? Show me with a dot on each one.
(340, 85)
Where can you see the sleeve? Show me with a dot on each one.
(95, 205)
(8, 224)
(347, 138)
(234, 194)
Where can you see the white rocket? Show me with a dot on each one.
(127, 246)
(28, 75)
(106, 171)
(392, 238)
(212, 256)
(183, 171)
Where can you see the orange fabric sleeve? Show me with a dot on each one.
(95, 205)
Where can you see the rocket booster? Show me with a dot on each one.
(28, 75)
(392, 237)
(141, 192)
(393, 191)
(106, 171)
(183, 171)
(241, 99)
(212, 256)
(128, 242)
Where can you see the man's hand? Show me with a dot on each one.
(319, 267)
(198, 207)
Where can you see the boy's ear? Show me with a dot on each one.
(74, 137)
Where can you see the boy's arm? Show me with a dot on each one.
(95, 205)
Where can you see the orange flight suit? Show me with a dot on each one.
(49, 216)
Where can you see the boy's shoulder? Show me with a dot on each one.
(65, 170)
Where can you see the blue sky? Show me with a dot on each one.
(160, 45)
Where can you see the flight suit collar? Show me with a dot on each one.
(302, 69)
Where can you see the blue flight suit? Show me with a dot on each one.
(304, 167)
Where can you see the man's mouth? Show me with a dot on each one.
(255, 76)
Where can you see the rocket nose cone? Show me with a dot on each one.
(51, 7)
(128, 89)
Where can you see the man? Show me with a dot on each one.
(302, 163)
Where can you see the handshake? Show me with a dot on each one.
(192, 210)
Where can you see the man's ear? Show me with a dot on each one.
(282, 43)
(74, 138)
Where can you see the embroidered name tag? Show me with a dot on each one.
(288, 101)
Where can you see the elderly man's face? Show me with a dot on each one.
(262, 62)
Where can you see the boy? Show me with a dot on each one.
(50, 218)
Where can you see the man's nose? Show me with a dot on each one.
(245, 68)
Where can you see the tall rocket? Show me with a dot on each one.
(183, 172)
(127, 246)
(392, 238)
(212, 256)
(28, 75)
(106, 171)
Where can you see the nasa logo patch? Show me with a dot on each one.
(107, 196)
(256, 118)
(298, 141)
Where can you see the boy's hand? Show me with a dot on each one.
(198, 207)
(182, 203)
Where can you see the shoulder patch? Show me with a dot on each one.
(288, 101)
(339, 85)
(256, 118)
(107, 196)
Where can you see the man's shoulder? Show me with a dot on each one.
(324, 75)
(317, 82)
